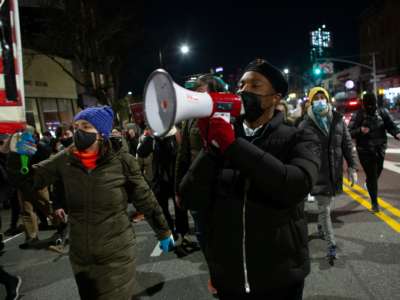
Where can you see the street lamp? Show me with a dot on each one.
(129, 93)
(185, 49)
(286, 72)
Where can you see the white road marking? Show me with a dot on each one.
(157, 251)
(13, 237)
(392, 166)
(393, 150)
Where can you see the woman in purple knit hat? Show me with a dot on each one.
(99, 180)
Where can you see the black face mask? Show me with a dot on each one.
(67, 142)
(370, 108)
(83, 139)
(252, 105)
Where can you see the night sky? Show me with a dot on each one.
(232, 33)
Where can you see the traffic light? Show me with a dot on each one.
(317, 71)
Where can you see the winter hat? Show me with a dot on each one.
(100, 117)
(273, 74)
(317, 90)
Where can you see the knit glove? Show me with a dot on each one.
(167, 244)
(217, 132)
(353, 176)
(26, 144)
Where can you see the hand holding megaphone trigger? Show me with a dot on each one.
(218, 133)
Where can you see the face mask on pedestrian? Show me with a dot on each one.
(320, 107)
(83, 139)
(252, 105)
(67, 141)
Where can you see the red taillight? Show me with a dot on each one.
(353, 103)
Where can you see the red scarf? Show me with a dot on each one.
(88, 159)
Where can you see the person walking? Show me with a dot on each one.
(369, 127)
(335, 140)
(251, 181)
(99, 181)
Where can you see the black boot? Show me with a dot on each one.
(12, 286)
(374, 205)
(29, 244)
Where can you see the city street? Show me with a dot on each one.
(88, 87)
(367, 267)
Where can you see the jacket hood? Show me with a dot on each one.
(317, 90)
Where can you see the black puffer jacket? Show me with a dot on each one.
(255, 208)
(334, 146)
(378, 124)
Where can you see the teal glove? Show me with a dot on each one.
(167, 244)
(26, 144)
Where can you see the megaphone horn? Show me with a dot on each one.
(166, 103)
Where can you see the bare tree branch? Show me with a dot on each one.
(66, 70)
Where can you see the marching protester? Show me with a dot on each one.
(98, 181)
(132, 134)
(64, 138)
(163, 150)
(252, 180)
(369, 127)
(11, 283)
(31, 201)
(189, 149)
(335, 140)
(8, 194)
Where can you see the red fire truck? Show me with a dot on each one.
(12, 108)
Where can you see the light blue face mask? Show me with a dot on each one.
(319, 106)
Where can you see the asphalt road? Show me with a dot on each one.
(368, 246)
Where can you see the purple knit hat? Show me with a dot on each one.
(100, 117)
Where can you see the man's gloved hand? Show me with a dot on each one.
(353, 176)
(25, 144)
(167, 244)
(217, 132)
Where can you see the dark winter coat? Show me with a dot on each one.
(188, 150)
(378, 124)
(164, 157)
(334, 146)
(255, 207)
(102, 238)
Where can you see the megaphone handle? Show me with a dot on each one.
(24, 164)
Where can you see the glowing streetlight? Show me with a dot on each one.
(185, 49)
(286, 71)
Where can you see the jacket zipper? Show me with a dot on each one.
(246, 279)
(246, 188)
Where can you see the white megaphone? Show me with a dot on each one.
(166, 103)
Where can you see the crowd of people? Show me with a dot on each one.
(244, 184)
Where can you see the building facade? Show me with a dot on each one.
(380, 34)
(50, 93)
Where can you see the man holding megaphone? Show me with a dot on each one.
(250, 180)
